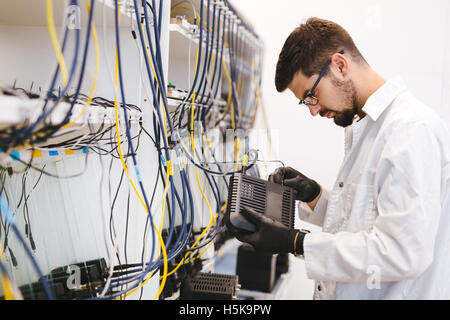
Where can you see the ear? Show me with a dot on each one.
(340, 65)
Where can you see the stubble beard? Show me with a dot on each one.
(345, 118)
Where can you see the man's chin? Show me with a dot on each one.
(342, 121)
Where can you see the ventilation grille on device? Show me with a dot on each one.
(254, 193)
(210, 286)
(287, 218)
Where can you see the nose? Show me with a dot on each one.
(314, 110)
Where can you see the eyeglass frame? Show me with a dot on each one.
(310, 94)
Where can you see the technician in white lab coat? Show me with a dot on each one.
(386, 222)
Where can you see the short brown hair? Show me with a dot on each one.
(308, 48)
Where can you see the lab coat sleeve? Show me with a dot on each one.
(317, 215)
(400, 244)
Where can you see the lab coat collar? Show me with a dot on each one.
(381, 99)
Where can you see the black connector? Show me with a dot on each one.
(210, 286)
(32, 244)
(13, 257)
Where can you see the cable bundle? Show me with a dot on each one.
(227, 48)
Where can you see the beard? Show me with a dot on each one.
(350, 103)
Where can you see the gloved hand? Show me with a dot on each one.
(307, 189)
(271, 236)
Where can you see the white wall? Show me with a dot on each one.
(410, 38)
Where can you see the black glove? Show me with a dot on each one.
(270, 236)
(307, 189)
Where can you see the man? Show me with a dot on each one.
(386, 221)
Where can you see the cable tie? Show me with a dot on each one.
(15, 155)
(138, 174)
(36, 153)
(169, 168)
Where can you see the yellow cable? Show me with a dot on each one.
(7, 288)
(169, 173)
(6, 283)
(230, 90)
(119, 145)
(212, 66)
(184, 8)
(237, 150)
(55, 43)
(240, 95)
(258, 105)
(195, 243)
(189, 19)
(229, 94)
(200, 254)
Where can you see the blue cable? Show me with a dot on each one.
(207, 53)
(198, 65)
(233, 71)
(158, 70)
(202, 96)
(219, 53)
(130, 142)
(9, 219)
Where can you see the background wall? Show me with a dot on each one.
(401, 37)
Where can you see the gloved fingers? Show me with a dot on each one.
(232, 229)
(292, 182)
(251, 215)
(226, 220)
(277, 176)
(247, 237)
(290, 173)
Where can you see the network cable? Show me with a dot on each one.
(10, 220)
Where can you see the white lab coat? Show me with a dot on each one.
(386, 222)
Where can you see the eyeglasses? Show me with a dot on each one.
(310, 99)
